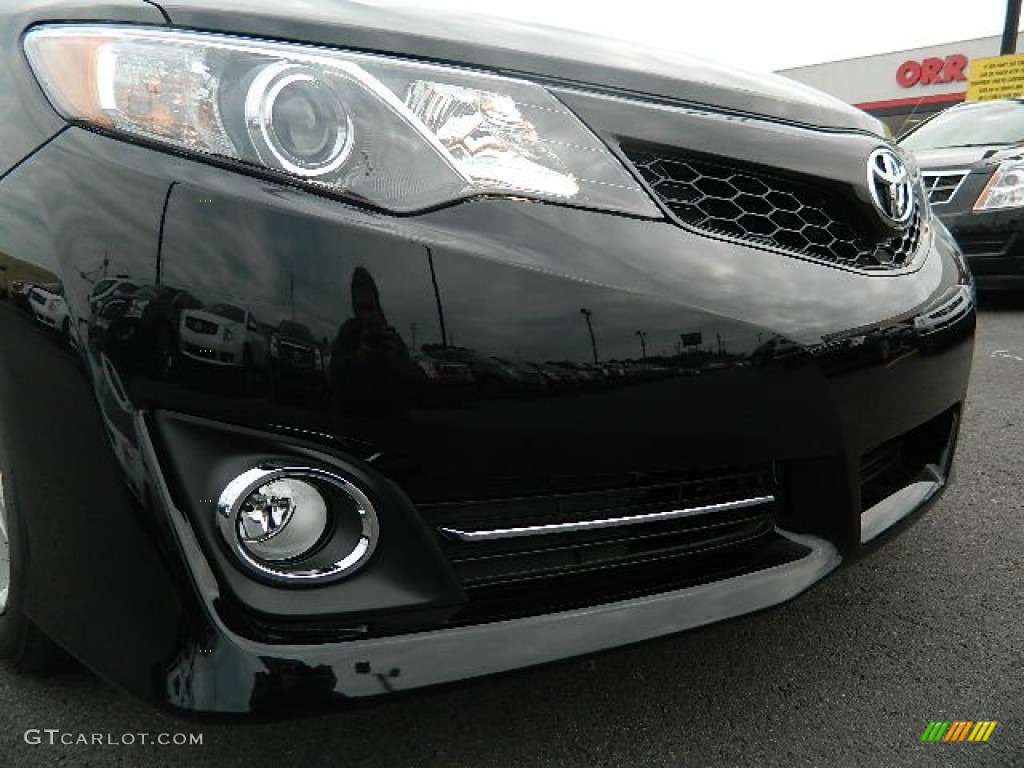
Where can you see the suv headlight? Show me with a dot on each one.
(394, 134)
(1005, 189)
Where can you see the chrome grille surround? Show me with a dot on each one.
(942, 186)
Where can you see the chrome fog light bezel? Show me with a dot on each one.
(298, 570)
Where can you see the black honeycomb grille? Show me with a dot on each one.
(758, 207)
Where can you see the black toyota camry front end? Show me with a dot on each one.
(710, 346)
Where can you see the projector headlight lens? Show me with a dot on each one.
(296, 121)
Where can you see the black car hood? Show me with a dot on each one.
(967, 157)
(416, 30)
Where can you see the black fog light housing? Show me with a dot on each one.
(297, 524)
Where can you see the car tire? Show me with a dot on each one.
(22, 645)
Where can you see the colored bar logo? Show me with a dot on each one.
(958, 730)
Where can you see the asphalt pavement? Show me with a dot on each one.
(929, 628)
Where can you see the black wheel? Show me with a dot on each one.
(22, 645)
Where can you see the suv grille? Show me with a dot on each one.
(561, 564)
(942, 185)
(296, 354)
(755, 206)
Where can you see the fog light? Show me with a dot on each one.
(297, 523)
(282, 520)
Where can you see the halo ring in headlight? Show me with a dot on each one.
(297, 524)
(296, 121)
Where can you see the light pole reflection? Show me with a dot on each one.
(643, 344)
(590, 327)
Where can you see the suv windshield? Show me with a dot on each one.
(973, 125)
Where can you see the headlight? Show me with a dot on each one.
(228, 334)
(394, 134)
(297, 524)
(1005, 189)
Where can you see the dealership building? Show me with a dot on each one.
(905, 87)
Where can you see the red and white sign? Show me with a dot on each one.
(932, 71)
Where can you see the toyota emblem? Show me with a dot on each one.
(891, 186)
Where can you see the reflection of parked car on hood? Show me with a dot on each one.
(224, 335)
(296, 359)
(140, 329)
(107, 289)
(49, 307)
(586, 376)
(19, 292)
(557, 379)
(525, 377)
(494, 376)
(443, 381)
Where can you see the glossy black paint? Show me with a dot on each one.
(800, 366)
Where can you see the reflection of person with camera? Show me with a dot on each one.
(371, 370)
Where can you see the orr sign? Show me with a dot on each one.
(932, 71)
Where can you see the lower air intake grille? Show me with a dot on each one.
(747, 203)
(554, 560)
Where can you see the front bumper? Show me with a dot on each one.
(266, 675)
(836, 388)
(993, 245)
(209, 349)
